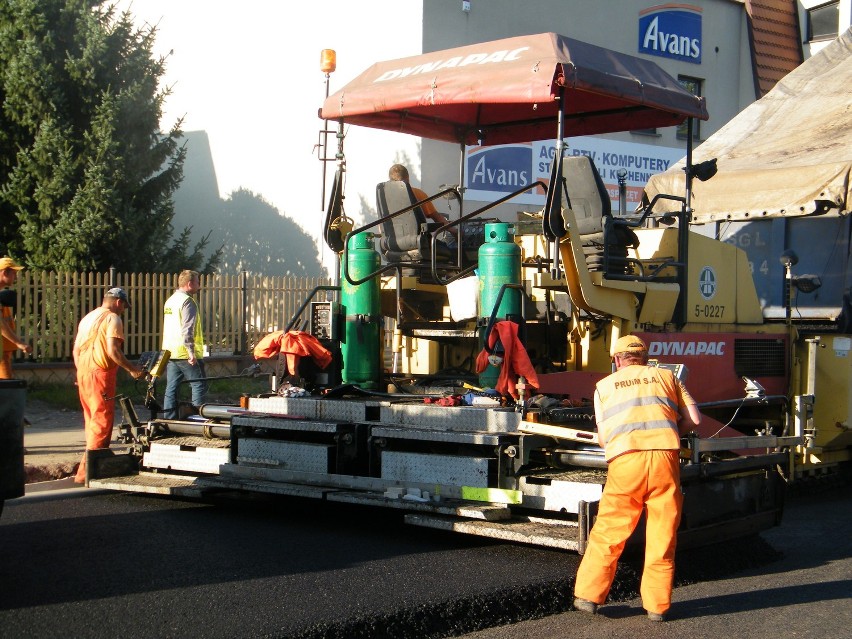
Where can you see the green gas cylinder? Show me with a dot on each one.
(499, 264)
(360, 347)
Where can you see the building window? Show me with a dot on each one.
(693, 85)
(823, 21)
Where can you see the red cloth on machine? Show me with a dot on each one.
(293, 345)
(516, 361)
(269, 346)
(452, 400)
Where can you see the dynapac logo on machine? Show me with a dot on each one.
(671, 31)
(505, 55)
(686, 348)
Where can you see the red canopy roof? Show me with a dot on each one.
(508, 91)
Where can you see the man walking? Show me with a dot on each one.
(8, 306)
(97, 355)
(183, 337)
(641, 411)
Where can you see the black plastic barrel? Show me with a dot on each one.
(13, 397)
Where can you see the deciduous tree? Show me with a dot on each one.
(255, 237)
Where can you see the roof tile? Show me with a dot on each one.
(775, 41)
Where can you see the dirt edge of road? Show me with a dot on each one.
(50, 472)
(53, 441)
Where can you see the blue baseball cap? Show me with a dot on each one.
(119, 294)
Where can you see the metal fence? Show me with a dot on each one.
(236, 310)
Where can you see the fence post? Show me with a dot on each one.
(244, 322)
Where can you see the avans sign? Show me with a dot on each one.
(671, 31)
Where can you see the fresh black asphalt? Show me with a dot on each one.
(122, 565)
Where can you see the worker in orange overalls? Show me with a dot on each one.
(641, 411)
(8, 303)
(97, 355)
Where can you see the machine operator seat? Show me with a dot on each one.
(586, 195)
(406, 238)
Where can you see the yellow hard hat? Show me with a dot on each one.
(628, 344)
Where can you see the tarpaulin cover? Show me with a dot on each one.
(509, 90)
(788, 154)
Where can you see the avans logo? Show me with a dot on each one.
(504, 168)
(671, 31)
(680, 349)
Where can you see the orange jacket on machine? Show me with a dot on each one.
(293, 345)
(516, 361)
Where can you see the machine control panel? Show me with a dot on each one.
(324, 320)
(679, 370)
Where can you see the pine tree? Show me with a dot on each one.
(86, 176)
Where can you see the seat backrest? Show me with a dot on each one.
(402, 233)
(585, 194)
(605, 238)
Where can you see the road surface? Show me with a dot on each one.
(98, 564)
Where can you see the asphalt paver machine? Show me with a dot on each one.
(480, 420)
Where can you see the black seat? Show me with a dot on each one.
(587, 197)
(406, 237)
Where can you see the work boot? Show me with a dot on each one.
(585, 606)
(656, 616)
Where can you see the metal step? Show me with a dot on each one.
(547, 533)
(450, 507)
(267, 487)
(153, 483)
(190, 458)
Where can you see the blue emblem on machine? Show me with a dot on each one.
(707, 283)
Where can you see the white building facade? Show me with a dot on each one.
(706, 44)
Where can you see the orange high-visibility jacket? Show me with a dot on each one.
(640, 410)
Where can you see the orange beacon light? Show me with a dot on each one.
(328, 60)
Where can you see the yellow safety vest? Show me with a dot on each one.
(173, 327)
(640, 410)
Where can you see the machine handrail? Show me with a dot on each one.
(492, 319)
(679, 265)
(649, 210)
(381, 220)
(465, 218)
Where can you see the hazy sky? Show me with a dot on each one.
(247, 72)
